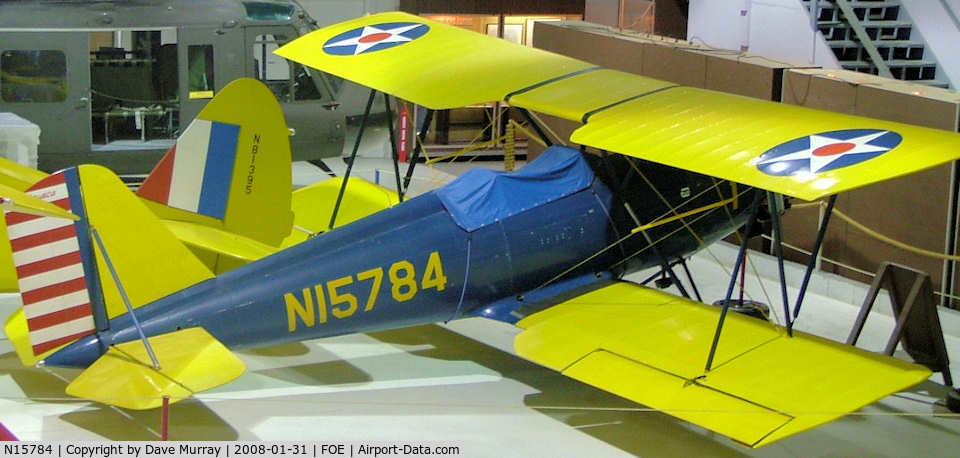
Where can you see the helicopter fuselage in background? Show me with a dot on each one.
(115, 82)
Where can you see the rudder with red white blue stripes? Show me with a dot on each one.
(55, 270)
(196, 173)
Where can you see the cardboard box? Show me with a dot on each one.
(816, 88)
(677, 61)
(913, 209)
(666, 61)
(591, 43)
(752, 76)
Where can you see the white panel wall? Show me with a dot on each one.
(940, 32)
(772, 28)
(718, 24)
(327, 12)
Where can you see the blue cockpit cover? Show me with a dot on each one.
(482, 197)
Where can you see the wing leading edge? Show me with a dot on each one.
(442, 66)
(650, 347)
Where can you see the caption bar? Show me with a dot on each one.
(210, 449)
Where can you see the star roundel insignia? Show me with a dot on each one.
(375, 37)
(827, 151)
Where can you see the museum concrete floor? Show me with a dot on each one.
(460, 383)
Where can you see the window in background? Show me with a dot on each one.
(33, 76)
(200, 71)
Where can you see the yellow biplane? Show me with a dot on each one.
(544, 247)
(754, 383)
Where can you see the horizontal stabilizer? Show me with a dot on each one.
(206, 238)
(21, 202)
(191, 360)
(18, 176)
(651, 347)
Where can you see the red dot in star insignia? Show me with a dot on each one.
(375, 37)
(833, 149)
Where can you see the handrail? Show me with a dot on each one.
(865, 40)
(951, 13)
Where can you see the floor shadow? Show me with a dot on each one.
(40, 384)
(287, 349)
(190, 420)
(930, 388)
(607, 417)
(325, 373)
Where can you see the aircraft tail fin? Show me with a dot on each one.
(231, 167)
(67, 289)
(53, 275)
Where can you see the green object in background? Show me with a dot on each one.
(266, 11)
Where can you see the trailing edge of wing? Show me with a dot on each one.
(651, 347)
(191, 360)
(708, 132)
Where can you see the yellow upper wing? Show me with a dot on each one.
(427, 62)
(442, 66)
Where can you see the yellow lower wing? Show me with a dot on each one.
(651, 347)
(312, 205)
(191, 360)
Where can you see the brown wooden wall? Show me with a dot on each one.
(492, 7)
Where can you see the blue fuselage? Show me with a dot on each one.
(408, 265)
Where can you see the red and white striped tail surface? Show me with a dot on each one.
(46, 254)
